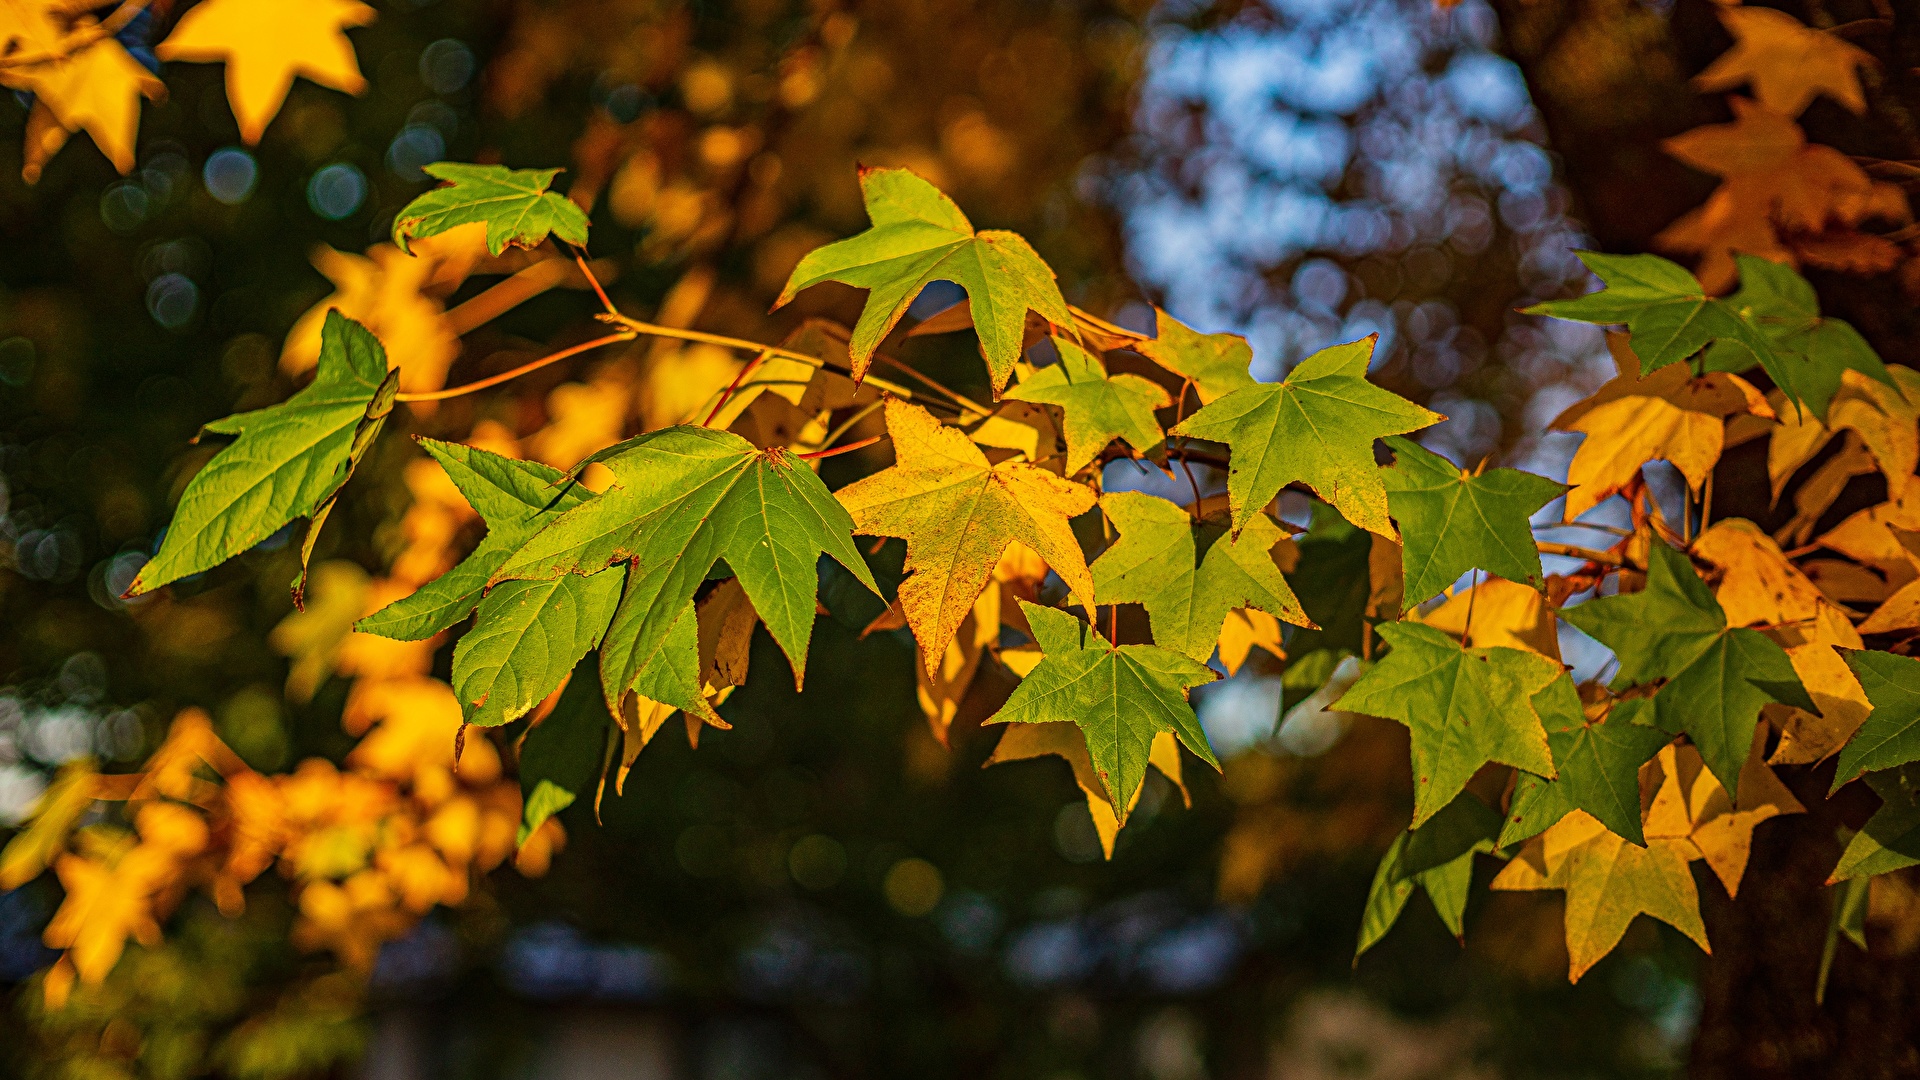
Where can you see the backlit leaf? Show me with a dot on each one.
(919, 236)
(289, 461)
(515, 204)
(1316, 427)
(1464, 708)
(1121, 696)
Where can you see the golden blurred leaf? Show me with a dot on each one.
(264, 44)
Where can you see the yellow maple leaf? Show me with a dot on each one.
(1786, 62)
(265, 43)
(584, 417)
(53, 817)
(1503, 613)
(1887, 419)
(1608, 882)
(1807, 737)
(1667, 416)
(1759, 587)
(942, 688)
(959, 515)
(1020, 742)
(382, 291)
(97, 89)
(1772, 181)
(337, 594)
(418, 719)
(1244, 630)
(108, 901)
(1691, 807)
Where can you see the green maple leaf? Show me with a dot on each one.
(1453, 521)
(683, 499)
(1890, 737)
(1318, 427)
(1098, 407)
(515, 498)
(1437, 858)
(1717, 678)
(561, 755)
(1121, 696)
(289, 461)
(1599, 764)
(515, 204)
(670, 674)
(1670, 318)
(526, 637)
(1464, 708)
(1813, 350)
(918, 237)
(1189, 574)
(1891, 838)
(1217, 363)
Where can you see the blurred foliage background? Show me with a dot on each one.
(1302, 171)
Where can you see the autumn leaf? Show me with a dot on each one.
(1786, 62)
(958, 515)
(1890, 737)
(1316, 427)
(1503, 613)
(515, 497)
(1189, 574)
(1692, 807)
(940, 690)
(1774, 184)
(1022, 742)
(388, 292)
(1120, 696)
(265, 43)
(1608, 883)
(1890, 840)
(919, 236)
(1886, 416)
(1665, 416)
(1464, 707)
(1814, 352)
(1216, 363)
(1436, 858)
(562, 754)
(1098, 407)
(289, 461)
(1453, 521)
(684, 498)
(1670, 317)
(1717, 678)
(1598, 751)
(97, 90)
(49, 823)
(108, 902)
(1242, 631)
(526, 637)
(515, 204)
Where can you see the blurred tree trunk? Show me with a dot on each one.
(1610, 79)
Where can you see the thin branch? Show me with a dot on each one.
(727, 394)
(580, 256)
(1603, 558)
(1614, 529)
(847, 449)
(505, 376)
(637, 326)
(507, 294)
(965, 403)
(847, 424)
